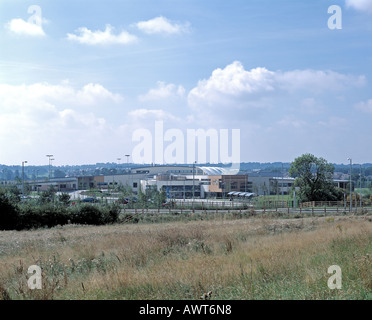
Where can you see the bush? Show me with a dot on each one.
(46, 215)
(111, 214)
(9, 214)
(87, 214)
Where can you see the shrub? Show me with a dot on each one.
(111, 214)
(87, 214)
(46, 215)
(9, 214)
(64, 198)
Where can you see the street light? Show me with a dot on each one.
(49, 156)
(23, 179)
(193, 185)
(360, 193)
(51, 165)
(127, 155)
(351, 169)
(119, 163)
(131, 183)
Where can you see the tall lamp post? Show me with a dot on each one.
(49, 156)
(351, 198)
(127, 155)
(193, 186)
(119, 164)
(23, 179)
(131, 184)
(51, 166)
(360, 193)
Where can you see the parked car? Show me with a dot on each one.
(90, 199)
(123, 201)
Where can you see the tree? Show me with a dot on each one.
(64, 198)
(48, 195)
(9, 214)
(314, 177)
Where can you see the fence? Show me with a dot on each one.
(279, 207)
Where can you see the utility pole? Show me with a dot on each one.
(360, 193)
(193, 186)
(282, 185)
(23, 179)
(351, 190)
(49, 156)
(119, 163)
(131, 183)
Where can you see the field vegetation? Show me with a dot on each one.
(222, 257)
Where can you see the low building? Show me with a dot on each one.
(59, 184)
(221, 185)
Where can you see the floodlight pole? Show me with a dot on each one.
(23, 179)
(351, 198)
(360, 193)
(193, 186)
(49, 156)
(131, 183)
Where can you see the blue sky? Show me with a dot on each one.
(79, 82)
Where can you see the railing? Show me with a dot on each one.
(314, 208)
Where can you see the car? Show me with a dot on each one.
(90, 199)
(169, 203)
(122, 201)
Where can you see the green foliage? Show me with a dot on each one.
(45, 215)
(314, 177)
(14, 194)
(9, 214)
(142, 200)
(87, 214)
(64, 198)
(111, 214)
(33, 215)
(48, 196)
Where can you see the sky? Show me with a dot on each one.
(81, 79)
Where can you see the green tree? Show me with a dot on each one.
(9, 214)
(64, 198)
(314, 177)
(142, 199)
(48, 195)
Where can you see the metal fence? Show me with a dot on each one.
(277, 208)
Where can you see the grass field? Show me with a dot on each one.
(251, 258)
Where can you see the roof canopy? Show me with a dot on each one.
(212, 171)
(241, 194)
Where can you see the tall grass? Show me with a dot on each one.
(252, 258)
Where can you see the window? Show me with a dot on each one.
(134, 184)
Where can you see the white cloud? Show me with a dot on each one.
(86, 36)
(19, 26)
(93, 93)
(360, 5)
(316, 81)
(150, 114)
(235, 87)
(12, 96)
(163, 91)
(41, 114)
(364, 106)
(162, 25)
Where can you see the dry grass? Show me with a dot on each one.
(233, 259)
